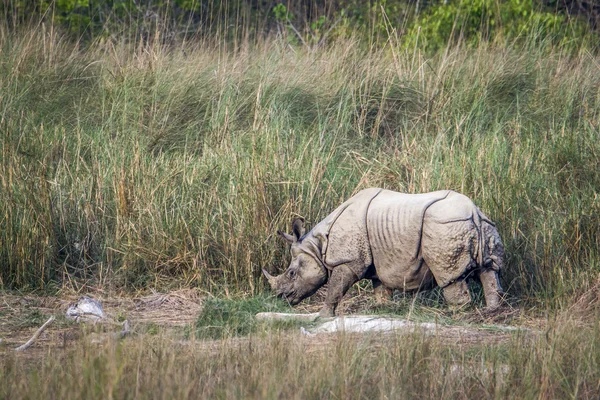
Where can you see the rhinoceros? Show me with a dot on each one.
(399, 241)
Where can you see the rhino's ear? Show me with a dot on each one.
(288, 238)
(298, 228)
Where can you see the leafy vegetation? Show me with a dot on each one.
(482, 20)
(428, 24)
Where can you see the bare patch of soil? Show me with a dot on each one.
(21, 316)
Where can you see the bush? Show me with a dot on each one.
(473, 21)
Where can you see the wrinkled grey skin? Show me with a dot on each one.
(306, 272)
(399, 241)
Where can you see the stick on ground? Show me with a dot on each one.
(35, 335)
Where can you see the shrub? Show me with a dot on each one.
(473, 21)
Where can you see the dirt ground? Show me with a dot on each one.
(22, 315)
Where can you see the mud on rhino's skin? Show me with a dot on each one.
(400, 241)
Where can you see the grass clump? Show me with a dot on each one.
(223, 317)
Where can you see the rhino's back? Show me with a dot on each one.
(395, 223)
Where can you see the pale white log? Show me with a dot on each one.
(35, 335)
(287, 316)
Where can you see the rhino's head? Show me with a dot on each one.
(306, 272)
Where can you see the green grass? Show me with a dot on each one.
(225, 318)
(137, 165)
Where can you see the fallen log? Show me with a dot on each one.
(37, 333)
(287, 316)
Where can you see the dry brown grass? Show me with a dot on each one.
(456, 362)
(586, 308)
(162, 359)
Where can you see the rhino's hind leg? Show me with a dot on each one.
(457, 293)
(491, 288)
(447, 249)
(382, 293)
(494, 262)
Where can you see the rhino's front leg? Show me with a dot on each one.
(491, 288)
(340, 281)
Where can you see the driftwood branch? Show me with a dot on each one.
(35, 335)
(287, 316)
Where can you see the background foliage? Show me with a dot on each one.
(142, 155)
(311, 22)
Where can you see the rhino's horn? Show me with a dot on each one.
(270, 278)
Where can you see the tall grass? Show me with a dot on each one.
(135, 165)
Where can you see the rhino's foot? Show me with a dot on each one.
(383, 296)
(457, 294)
(382, 293)
(327, 311)
(491, 289)
(493, 308)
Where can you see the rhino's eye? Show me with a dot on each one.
(292, 274)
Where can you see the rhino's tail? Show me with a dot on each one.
(480, 236)
(487, 257)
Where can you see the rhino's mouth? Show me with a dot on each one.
(293, 301)
(294, 296)
(290, 297)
